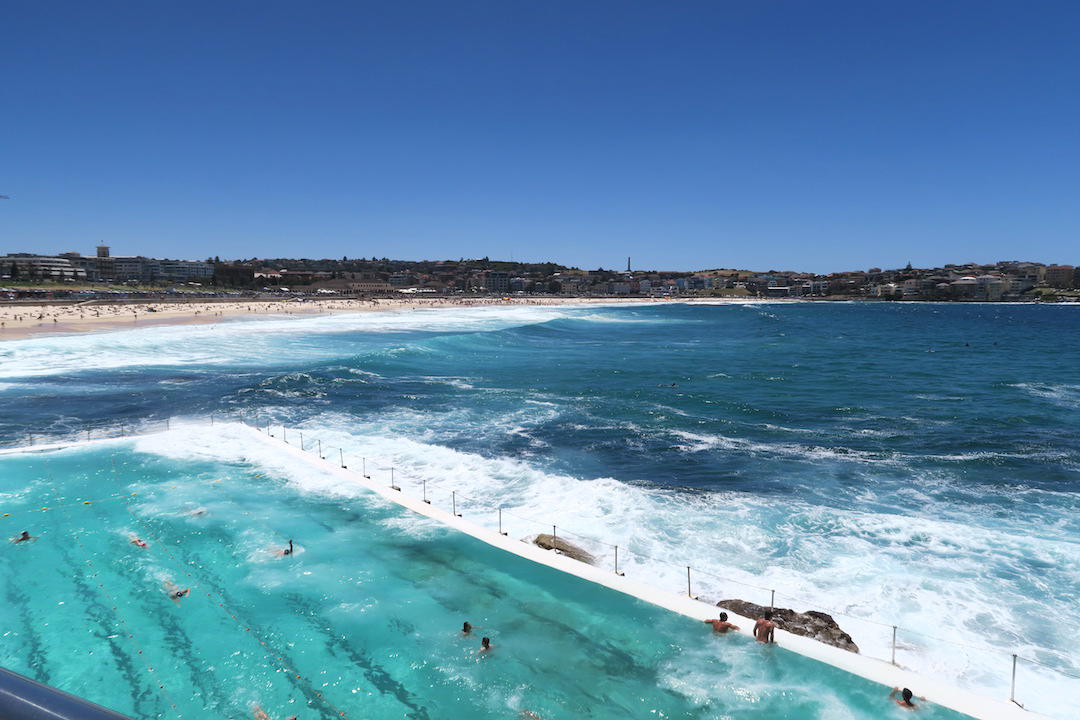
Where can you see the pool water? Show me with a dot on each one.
(362, 621)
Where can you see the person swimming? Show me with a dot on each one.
(288, 550)
(174, 592)
(138, 542)
(722, 625)
(485, 645)
(904, 700)
(23, 537)
(466, 628)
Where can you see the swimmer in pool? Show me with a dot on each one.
(174, 592)
(286, 551)
(485, 645)
(466, 628)
(764, 628)
(721, 625)
(137, 542)
(23, 537)
(904, 700)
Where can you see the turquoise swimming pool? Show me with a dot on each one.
(363, 621)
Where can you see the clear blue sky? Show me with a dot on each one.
(787, 134)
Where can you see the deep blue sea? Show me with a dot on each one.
(909, 464)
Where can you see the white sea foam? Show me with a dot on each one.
(924, 573)
(699, 442)
(1063, 394)
(247, 342)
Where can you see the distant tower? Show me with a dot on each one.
(627, 264)
(103, 251)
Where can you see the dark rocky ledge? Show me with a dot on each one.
(550, 542)
(812, 624)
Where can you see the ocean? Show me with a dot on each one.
(904, 464)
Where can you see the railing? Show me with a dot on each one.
(24, 699)
(900, 646)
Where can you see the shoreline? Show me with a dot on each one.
(23, 322)
(26, 321)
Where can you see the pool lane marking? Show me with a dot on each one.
(46, 508)
(111, 600)
(266, 648)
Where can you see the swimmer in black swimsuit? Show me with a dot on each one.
(289, 551)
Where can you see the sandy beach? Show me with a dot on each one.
(18, 322)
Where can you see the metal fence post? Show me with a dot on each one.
(772, 599)
(392, 485)
(364, 470)
(301, 441)
(424, 481)
(1012, 692)
(893, 644)
(688, 593)
(453, 499)
(320, 450)
(617, 560)
(284, 436)
(341, 456)
(500, 522)
(554, 540)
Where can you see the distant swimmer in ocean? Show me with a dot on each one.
(138, 542)
(23, 537)
(721, 625)
(764, 628)
(466, 628)
(174, 592)
(485, 645)
(904, 700)
(286, 551)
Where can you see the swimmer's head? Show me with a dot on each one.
(906, 694)
(485, 643)
(466, 628)
(723, 617)
(768, 615)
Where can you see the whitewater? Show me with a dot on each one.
(913, 465)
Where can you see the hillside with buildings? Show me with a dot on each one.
(1001, 281)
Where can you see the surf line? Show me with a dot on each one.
(872, 669)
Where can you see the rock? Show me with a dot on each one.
(550, 542)
(812, 624)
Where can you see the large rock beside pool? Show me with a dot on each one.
(551, 542)
(811, 624)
